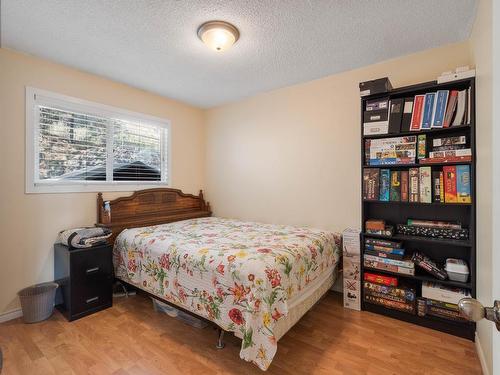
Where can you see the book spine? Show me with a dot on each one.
(450, 159)
(425, 184)
(450, 108)
(436, 181)
(449, 141)
(394, 262)
(421, 148)
(434, 223)
(416, 118)
(404, 186)
(389, 267)
(395, 186)
(440, 108)
(450, 184)
(387, 250)
(385, 243)
(441, 304)
(441, 186)
(444, 313)
(406, 293)
(450, 153)
(389, 297)
(463, 184)
(370, 184)
(428, 109)
(390, 304)
(414, 184)
(384, 184)
(384, 254)
(380, 279)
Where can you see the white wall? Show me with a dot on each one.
(293, 155)
(30, 222)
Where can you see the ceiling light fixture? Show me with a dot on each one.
(218, 35)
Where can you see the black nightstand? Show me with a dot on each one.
(85, 277)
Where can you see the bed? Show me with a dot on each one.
(255, 280)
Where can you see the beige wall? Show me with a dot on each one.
(30, 222)
(293, 155)
(481, 46)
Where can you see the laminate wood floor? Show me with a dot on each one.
(131, 338)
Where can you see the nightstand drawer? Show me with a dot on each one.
(91, 265)
(91, 295)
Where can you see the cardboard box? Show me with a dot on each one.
(352, 268)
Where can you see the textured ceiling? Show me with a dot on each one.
(152, 44)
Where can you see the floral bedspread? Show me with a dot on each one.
(237, 274)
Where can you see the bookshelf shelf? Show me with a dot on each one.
(389, 166)
(397, 212)
(419, 203)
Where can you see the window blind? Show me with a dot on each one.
(74, 146)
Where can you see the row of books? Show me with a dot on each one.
(387, 255)
(407, 150)
(441, 109)
(449, 184)
(446, 150)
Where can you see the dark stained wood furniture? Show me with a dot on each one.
(151, 207)
(85, 277)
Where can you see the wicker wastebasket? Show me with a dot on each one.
(37, 301)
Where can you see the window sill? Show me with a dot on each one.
(48, 188)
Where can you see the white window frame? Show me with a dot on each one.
(36, 97)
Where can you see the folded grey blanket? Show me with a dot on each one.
(84, 237)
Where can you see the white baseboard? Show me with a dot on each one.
(9, 315)
(480, 354)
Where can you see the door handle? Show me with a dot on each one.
(473, 310)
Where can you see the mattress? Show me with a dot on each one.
(245, 277)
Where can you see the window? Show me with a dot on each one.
(74, 145)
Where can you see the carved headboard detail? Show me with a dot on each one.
(151, 207)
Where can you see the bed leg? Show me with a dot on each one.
(220, 340)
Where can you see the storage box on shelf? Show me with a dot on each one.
(424, 174)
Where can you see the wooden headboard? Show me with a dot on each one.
(151, 207)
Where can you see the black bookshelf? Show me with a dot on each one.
(398, 212)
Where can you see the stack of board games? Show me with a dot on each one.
(449, 184)
(398, 298)
(391, 151)
(433, 229)
(442, 301)
(385, 255)
(449, 150)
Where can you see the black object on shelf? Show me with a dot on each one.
(85, 277)
(396, 212)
